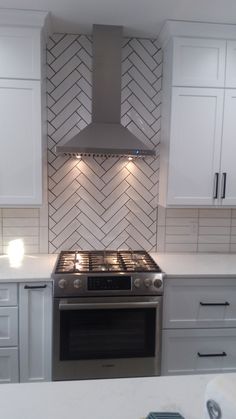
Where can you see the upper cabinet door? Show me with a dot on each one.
(230, 79)
(195, 141)
(20, 53)
(198, 62)
(228, 166)
(21, 143)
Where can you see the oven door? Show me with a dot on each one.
(106, 337)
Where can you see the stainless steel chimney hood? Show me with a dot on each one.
(105, 135)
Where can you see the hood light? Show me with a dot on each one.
(78, 156)
(130, 158)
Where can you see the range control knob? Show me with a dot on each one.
(147, 282)
(77, 283)
(137, 283)
(157, 283)
(62, 283)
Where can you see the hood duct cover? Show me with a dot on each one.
(105, 135)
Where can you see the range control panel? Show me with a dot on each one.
(109, 283)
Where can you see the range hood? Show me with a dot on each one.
(105, 135)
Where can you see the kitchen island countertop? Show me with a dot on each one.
(131, 398)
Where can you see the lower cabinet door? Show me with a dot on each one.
(35, 331)
(191, 351)
(9, 371)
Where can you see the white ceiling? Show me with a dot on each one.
(139, 17)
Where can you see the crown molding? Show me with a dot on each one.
(27, 19)
(193, 29)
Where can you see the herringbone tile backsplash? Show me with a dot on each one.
(99, 203)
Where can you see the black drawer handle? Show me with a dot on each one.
(215, 304)
(211, 355)
(34, 287)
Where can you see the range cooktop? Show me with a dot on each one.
(72, 262)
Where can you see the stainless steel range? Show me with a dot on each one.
(107, 315)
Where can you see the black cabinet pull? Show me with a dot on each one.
(211, 355)
(216, 183)
(34, 287)
(215, 304)
(223, 186)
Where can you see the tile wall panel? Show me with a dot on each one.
(98, 203)
(197, 230)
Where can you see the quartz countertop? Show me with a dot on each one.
(40, 266)
(32, 268)
(194, 264)
(131, 398)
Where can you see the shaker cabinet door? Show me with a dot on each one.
(35, 331)
(21, 145)
(195, 141)
(198, 62)
(228, 167)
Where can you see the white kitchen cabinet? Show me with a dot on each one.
(198, 121)
(21, 142)
(22, 104)
(202, 351)
(199, 325)
(20, 53)
(195, 142)
(9, 367)
(35, 331)
(198, 62)
(199, 303)
(9, 371)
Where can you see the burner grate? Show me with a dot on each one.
(105, 261)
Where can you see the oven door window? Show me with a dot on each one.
(107, 334)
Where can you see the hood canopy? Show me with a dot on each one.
(105, 135)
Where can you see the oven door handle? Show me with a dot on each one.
(102, 306)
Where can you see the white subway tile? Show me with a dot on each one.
(180, 247)
(20, 231)
(181, 239)
(213, 247)
(214, 239)
(182, 212)
(178, 230)
(20, 212)
(20, 222)
(214, 230)
(223, 222)
(214, 213)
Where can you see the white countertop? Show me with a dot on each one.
(105, 399)
(33, 268)
(40, 266)
(208, 264)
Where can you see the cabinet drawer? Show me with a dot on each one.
(8, 294)
(9, 365)
(8, 326)
(20, 53)
(198, 62)
(198, 351)
(199, 303)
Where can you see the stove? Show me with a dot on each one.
(88, 273)
(106, 315)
